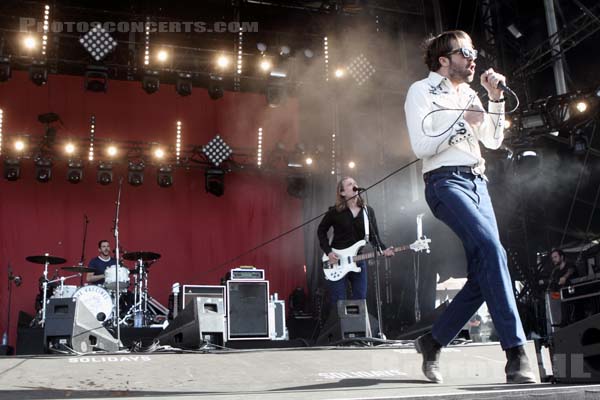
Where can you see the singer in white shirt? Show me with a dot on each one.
(446, 123)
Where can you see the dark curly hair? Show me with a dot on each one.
(440, 45)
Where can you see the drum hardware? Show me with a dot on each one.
(47, 260)
(141, 256)
(78, 268)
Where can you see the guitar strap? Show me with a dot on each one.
(366, 221)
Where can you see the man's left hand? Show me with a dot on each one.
(562, 281)
(489, 80)
(388, 252)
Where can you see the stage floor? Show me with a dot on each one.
(470, 371)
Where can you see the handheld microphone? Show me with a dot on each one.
(503, 87)
(358, 189)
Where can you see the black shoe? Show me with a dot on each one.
(430, 350)
(517, 366)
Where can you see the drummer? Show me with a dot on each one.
(100, 263)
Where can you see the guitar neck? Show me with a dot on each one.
(372, 254)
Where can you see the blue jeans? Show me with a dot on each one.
(461, 200)
(358, 280)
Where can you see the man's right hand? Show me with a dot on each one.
(474, 115)
(333, 258)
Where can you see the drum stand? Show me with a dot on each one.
(140, 297)
(45, 287)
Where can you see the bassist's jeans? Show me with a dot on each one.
(358, 280)
(462, 202)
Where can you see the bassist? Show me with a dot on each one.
(348, 223)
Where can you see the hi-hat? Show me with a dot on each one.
(141, 255)
(46, 258)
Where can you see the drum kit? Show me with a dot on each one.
(138, 309)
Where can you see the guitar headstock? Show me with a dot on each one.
(420, 244)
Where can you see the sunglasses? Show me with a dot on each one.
(466, 53)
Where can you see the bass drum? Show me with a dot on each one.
(95, 299)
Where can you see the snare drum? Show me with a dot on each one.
(110, 278)
(95, 299)
(65, 291)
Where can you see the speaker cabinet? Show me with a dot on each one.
(70, 323)
(190, 292)
(348, 320)
(247, 310)
(202, 321)
(576, 352)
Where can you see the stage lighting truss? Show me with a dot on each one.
(361, 69)
(98, 42)
(217, 150)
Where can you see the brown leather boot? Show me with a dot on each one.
(517, 367)
(430, 350)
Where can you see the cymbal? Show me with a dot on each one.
(78, 268)
(141, 255)
(46, 258)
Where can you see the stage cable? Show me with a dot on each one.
(302, 225)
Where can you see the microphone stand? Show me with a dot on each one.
(85, 226)
(378, 250)
(116, 233)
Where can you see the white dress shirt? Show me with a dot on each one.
(444, 138)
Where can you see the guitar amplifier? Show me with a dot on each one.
(248, 274)
(190, 292)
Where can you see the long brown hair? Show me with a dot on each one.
(340, 201)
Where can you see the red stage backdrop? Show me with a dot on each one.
(193, 230)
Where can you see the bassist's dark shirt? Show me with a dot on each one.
(347, 229)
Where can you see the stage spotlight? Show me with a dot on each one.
(351, 165)
(284, 51)
(43, 169)
(507, 124)
(162, 56)
(96, 78)
(223, 61)
(296, 186)
(38, 73)
(30, 42)
(308, 161)
(214, 181)
(98, 43)
(265, 65)
(104, 176)
(183, 86)
(159, 153)
(150, 82)
(112, 151)
(69, 148)
(164, 176)
(261, 47)
(12, 169)
(19, 145)
(581, 106)
(217, 150)
(75, 171)
(5, 69)
(339, 73)
(512, 28)
(215, 88)
(135, 176)
(308, 53)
